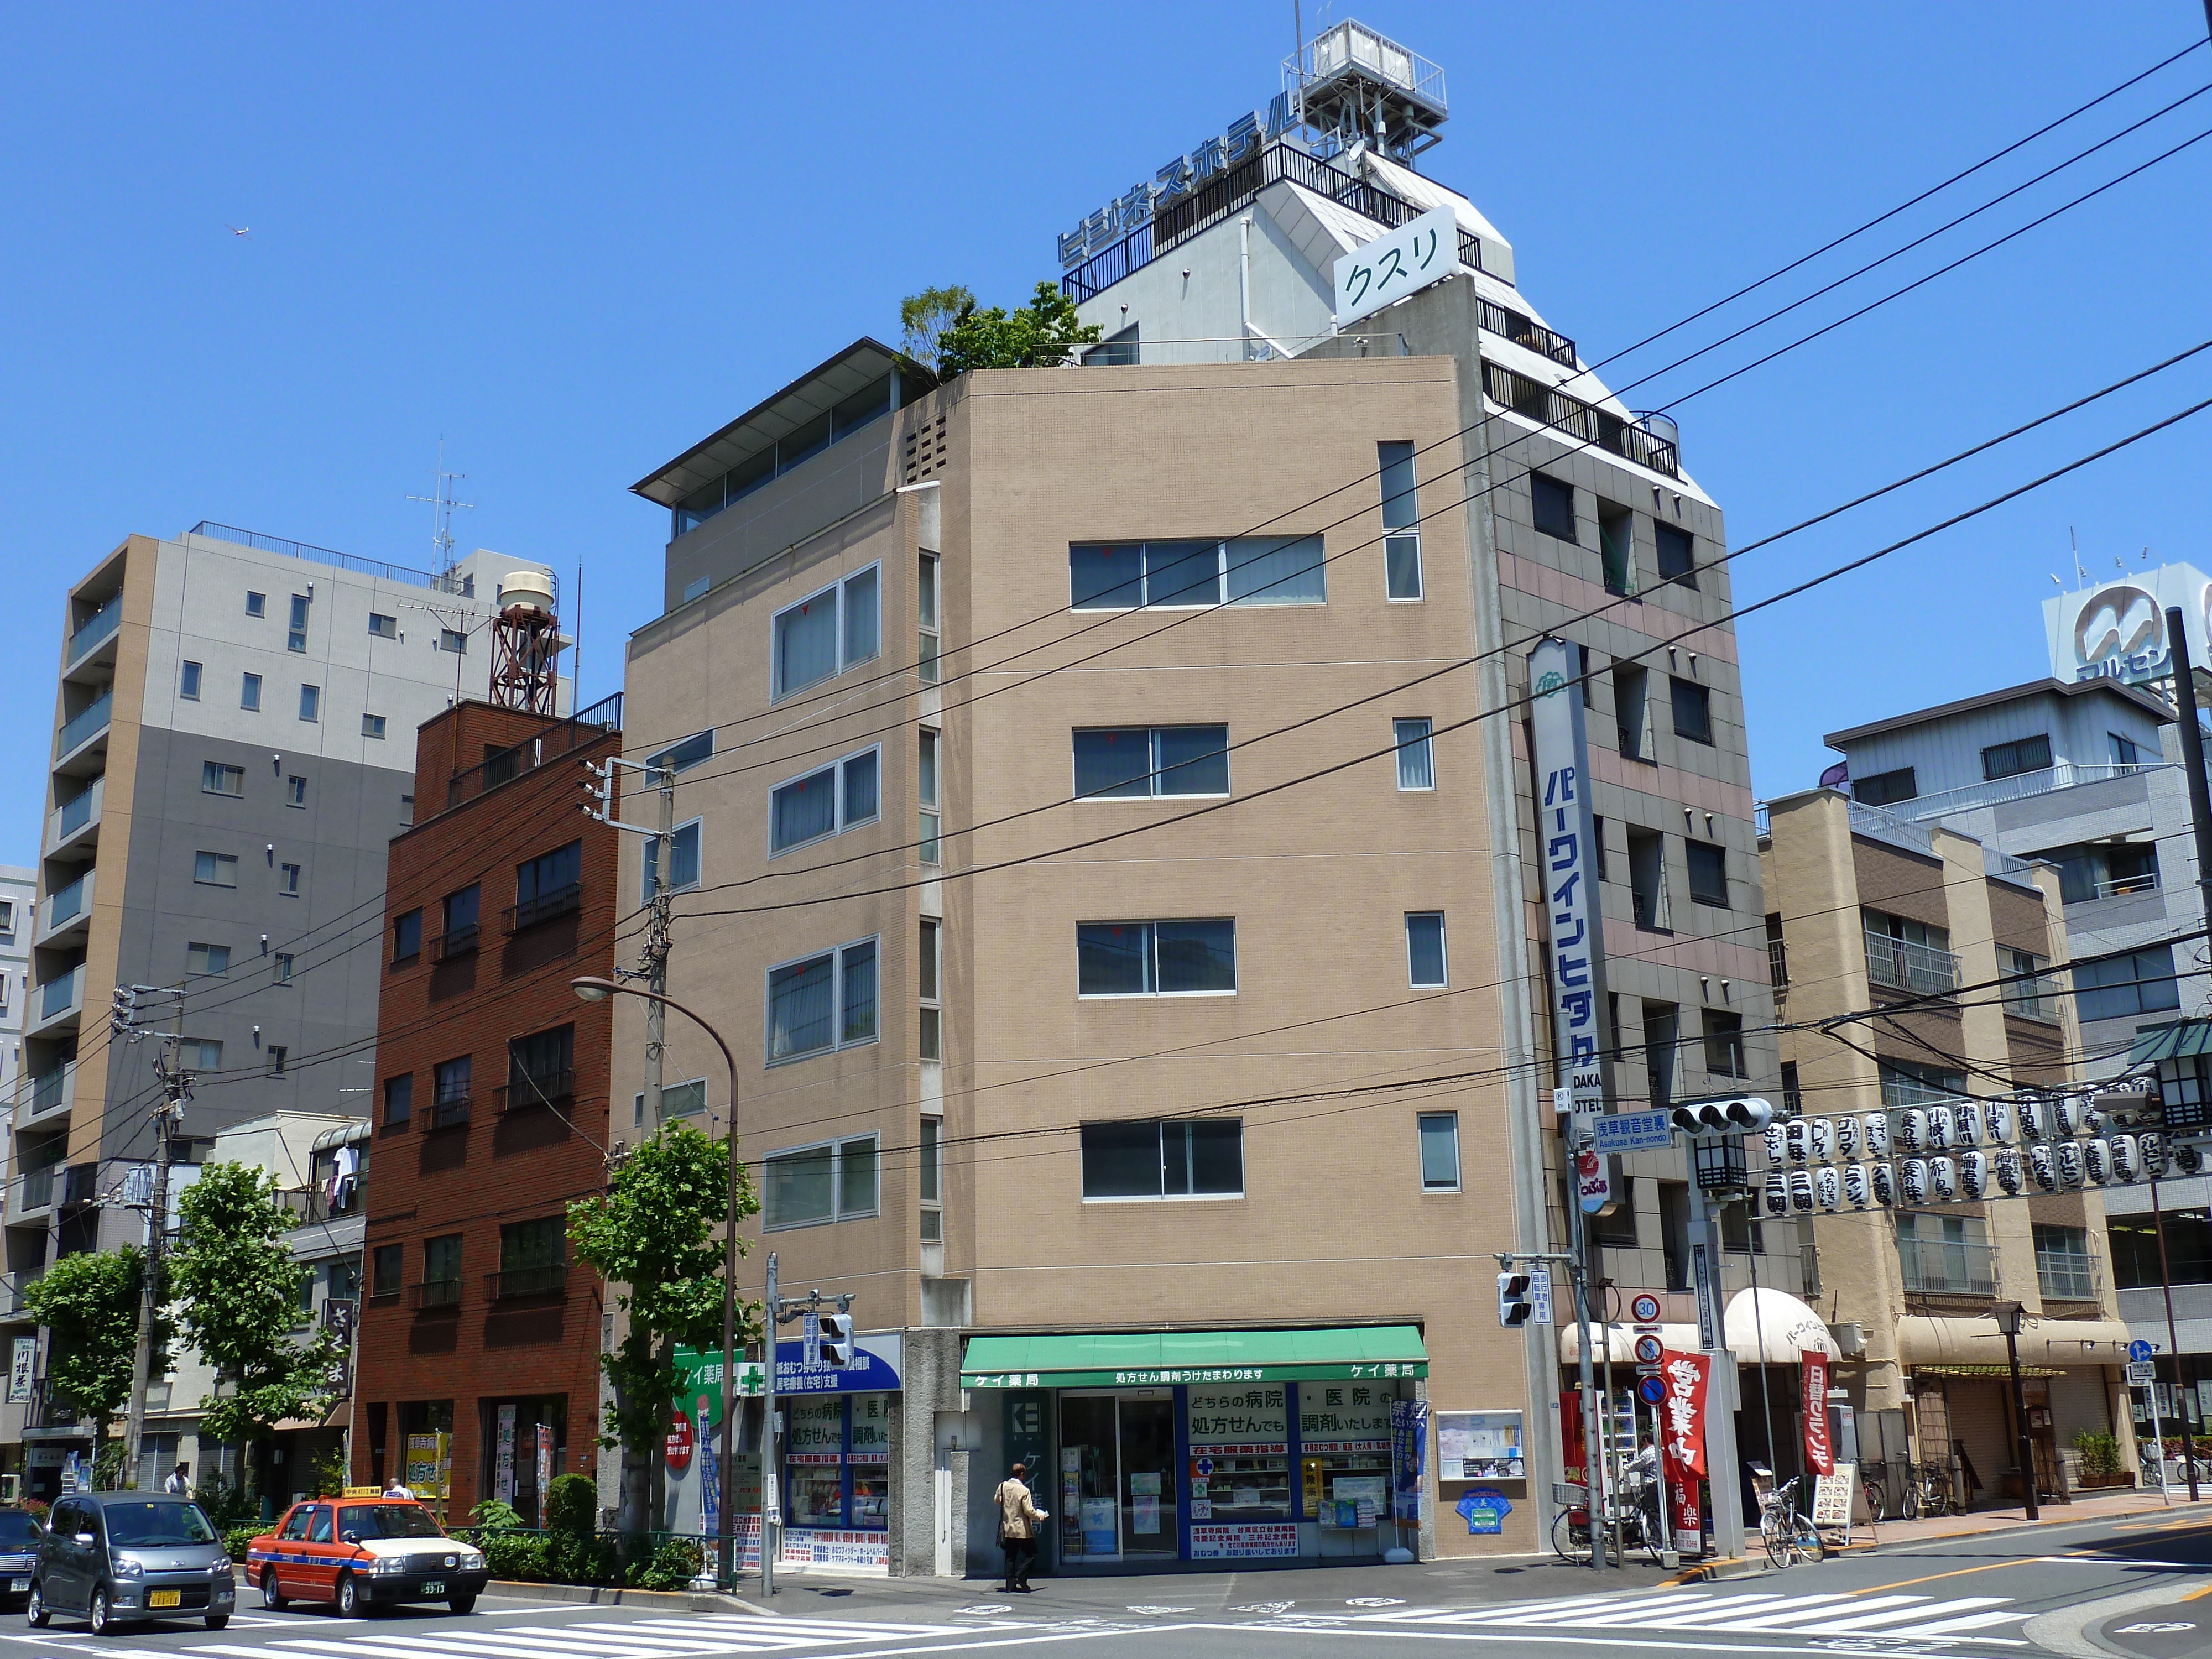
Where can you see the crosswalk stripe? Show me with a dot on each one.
(1567, 1615)
(1960, 1625)
(559, 1639)
(1872, 1610)
(1549, 1605)
(1911, 1614)
(1734, 1607)
(856, 1628)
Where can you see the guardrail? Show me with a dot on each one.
(87, 723)
(1947, 1267)
(1585, 421)
(585, 725)
(94, 628)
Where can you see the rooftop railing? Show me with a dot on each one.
(2065, 774)
(585, 725)
(93, 629)
(1586, 422)
(292, 549)
(1524, 331)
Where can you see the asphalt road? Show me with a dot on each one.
(2026, 1593)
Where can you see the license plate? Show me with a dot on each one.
(434, 1587)
(17, 1586)
(164, 1598)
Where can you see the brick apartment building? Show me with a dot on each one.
(491, 1113)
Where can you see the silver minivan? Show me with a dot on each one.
(118, 1558)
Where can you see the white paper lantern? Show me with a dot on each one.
(1847, 1136)
(2043, 1168)
(2009, 1176)
(1974, 1174)
(1828, 1187)
(2152, 1146)
(1943, 1178)
(2070, 1164)
(1942, 1126)
(2035, 1118)
(1800, 1191)
(1771, 1136)
(2097, 1161)
(1877, 1134)
(1858, 1192)
(1797, 1140)
(1911, 1130)
(1824, 1141)
(1968, 1117)
(1777, 1195)
(2127, 1159)
(1914, 1181)
(1997, 1115)
(1881, 1181)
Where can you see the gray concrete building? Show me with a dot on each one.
(235, 718)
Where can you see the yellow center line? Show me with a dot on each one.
(2200, 1590)
(1956, 1572)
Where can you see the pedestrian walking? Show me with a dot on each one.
(180, 1480)
(1018, 1518)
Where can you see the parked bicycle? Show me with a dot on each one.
(1876, 1497)
(1789, 1534)
(1633, 1503)
(1927, 1490)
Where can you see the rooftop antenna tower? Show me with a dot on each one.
(442, 505)
(1354, 86)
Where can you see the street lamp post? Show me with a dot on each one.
(593, 988)
(2007, 1317)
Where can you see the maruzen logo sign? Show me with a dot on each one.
(2117, 631)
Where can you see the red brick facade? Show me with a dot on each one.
(476, 1142)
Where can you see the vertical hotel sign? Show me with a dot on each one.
(1566, 845)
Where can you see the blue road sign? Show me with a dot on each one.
(1652, 1391)
(2140, 1350)
(1634, 1131)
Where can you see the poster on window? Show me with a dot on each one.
(1251, 1421)
(816, 1434)
(872, 1428)
(503, 1464)
(1244, 1540)
(1343, 1417)
(1409, 1434)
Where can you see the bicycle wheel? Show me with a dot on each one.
(1777, 1537)
(1874, 1501)
(1909, 1506)
(1570, 1539)
(1809, 1543)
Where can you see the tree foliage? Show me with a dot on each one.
(925, 316)
(238, 1286)
(654, 1231)
(90, 1301)
(1040, 335)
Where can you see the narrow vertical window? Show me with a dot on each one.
(926, 614)
(296, 637)
(188, 683)
(926, 793)
(1439, 1136)
(931, 1181)
(1416, 766)
(925, 979)
(1425, 947)
(1401, 552)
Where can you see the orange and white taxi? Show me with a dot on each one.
(364, 1553)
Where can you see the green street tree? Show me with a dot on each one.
(656, 1232)
(89, 1302)
(237, 1289)
(1040, 335)
(925, 316)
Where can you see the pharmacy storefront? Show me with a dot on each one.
(836, 1453)
(1196, 1447)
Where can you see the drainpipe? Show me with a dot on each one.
(1244, 288)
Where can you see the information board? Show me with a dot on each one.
(1832, 1497)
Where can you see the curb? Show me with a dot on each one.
(2067, 1632)
(1734, 1567)
(611, 1596)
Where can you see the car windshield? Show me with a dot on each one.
(140, 1526)
(18, 1530)
(388, 1521)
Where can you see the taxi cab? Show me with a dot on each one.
(364, 1551)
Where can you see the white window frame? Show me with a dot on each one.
(205, 948)
(929, 817)
(295, 791)
(1400, 746)
(454, 642)
(257, 604)
(840, 823)
(664, 756)
(223, 767)
(637, 1102)
(1443, 949)
(929, 959)
(1243, 1170)
(311, 703)
(288, 878)
(371, 727)
(645, 888)
(838, 1041)
(838, 1212)
(250, 684)
(1153, 791)
(929, 1174)
(844, 665)
(1459, 1162)
(929, 594)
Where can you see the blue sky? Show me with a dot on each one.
(571, 241)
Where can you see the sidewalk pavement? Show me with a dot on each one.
(2105, 1507)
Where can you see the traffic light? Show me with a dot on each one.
(1722, 1117)
(837, 1348)
(1515, 1307)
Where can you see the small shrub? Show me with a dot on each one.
(238, 1540)
(673, 1566)
(517, 1556)
(2100, 1452)
(587, 1559)
(493, 1515)
(329, 1473)
(572, 1505)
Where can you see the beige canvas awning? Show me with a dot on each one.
(1932, 1339)
(1772, 1329)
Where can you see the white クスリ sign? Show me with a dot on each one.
(1390, 267)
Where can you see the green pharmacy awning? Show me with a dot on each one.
(2182, 1038)
(1154, 1358)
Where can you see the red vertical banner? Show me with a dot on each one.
(1819, 1455)
(1570, 1438)
(1682, 1413)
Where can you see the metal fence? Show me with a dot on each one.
(1600, 427)
(1901, 965)
(585, 725)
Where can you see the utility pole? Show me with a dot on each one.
(2173, 1346)
(1723, 1472)
(2200, 817)
(771, 1494)
(176, 1090)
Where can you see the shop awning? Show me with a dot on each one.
(2183, 1037)
(1765, 1327)
(1925, 1341)
(1976, 1373)
(1150, 1359)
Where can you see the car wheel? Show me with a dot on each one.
(103, 1616)
(349, 1596)
(271, 1597)
(34, 1608)
(465, 1604)
(217, 1620)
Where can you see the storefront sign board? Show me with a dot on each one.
(1247, 1422)
(1812, 1368)
(1191, 1375)
(23, 1368)
(1480, 1446)
(1343, 1417)
(1243, 1541)
(1832, 1496)
(875, 1370)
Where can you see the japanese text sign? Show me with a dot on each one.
(1682, 1411)
(1819, 1455)
(1402, 262)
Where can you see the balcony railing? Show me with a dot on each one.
(15, 1293)
(585, 725)
(2144, 881)
(1947, 1267)
(95, 627)
(71, 903)
(1901, 965)
(39, 1186)
(1577, 419)
(52, 1091)
(550, 1279)
(1183, 217)
(2064, 774)
(437, 1293)
(527, 1089)
(57, 997)
(44, 1411)
(544, 907)
(449, 1111)
(2037, 998)
(74, 813)
(457, 941)
(308, 1205)
(1525, 331)
(86, 725)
